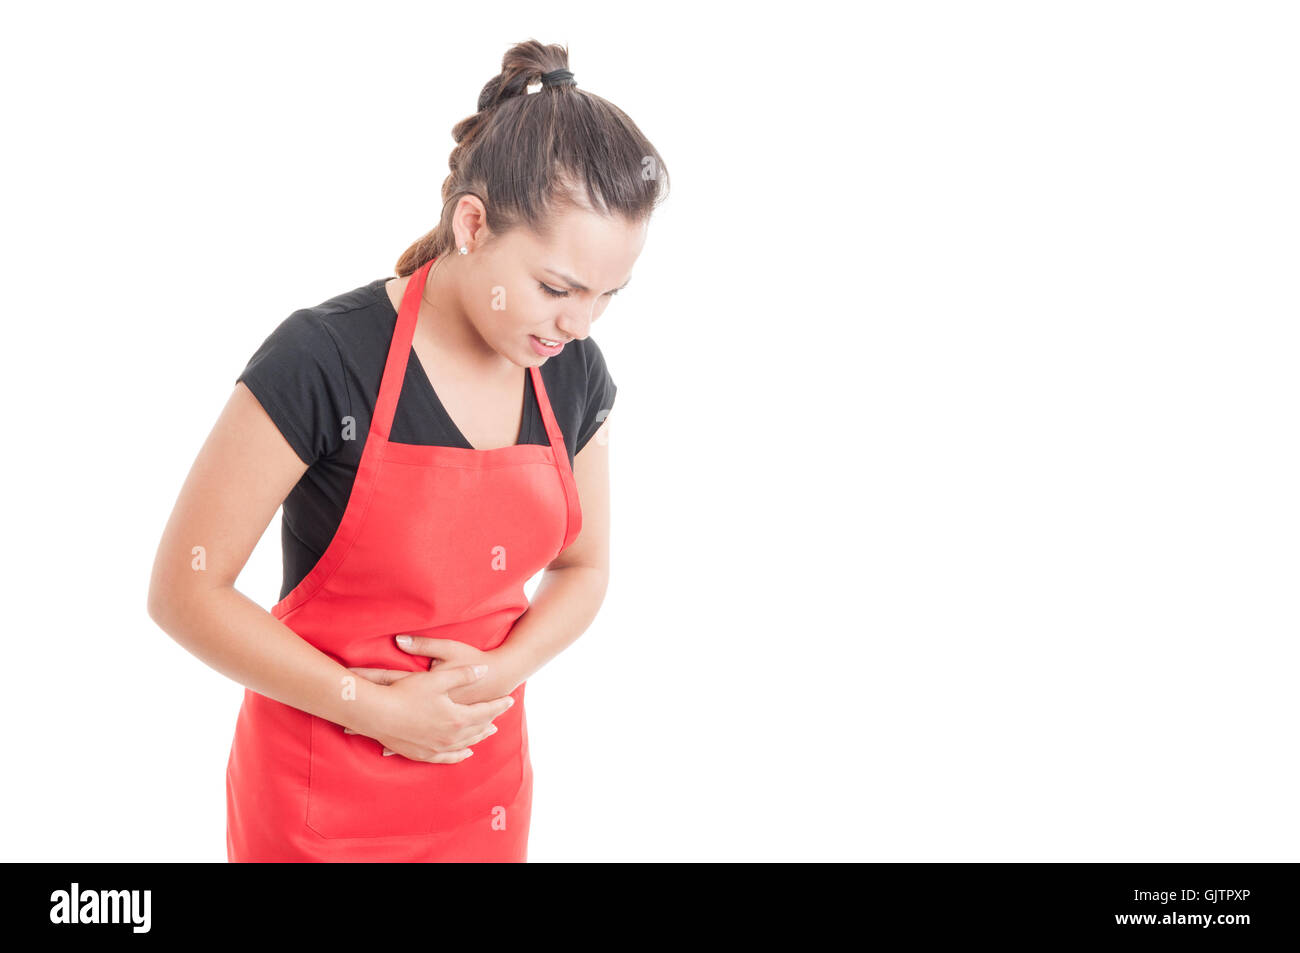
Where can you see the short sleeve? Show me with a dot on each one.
(600, 393)
(297, 377)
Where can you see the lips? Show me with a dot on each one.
(546, 350)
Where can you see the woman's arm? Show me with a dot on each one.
(241, 475)
(572, 586)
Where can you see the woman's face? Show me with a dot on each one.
(520, 288)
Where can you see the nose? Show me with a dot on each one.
(575, 322)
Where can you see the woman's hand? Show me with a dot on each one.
(426, 723)
(500, 679)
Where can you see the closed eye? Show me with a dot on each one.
(564, 294)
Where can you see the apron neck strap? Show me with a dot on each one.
(399, 352)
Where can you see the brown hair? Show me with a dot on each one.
(525, 155)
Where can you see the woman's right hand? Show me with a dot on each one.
(423, 723)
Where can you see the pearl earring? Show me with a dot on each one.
(464, 249)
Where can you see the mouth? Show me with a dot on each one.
(547, 347)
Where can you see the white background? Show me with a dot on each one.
(955, 472)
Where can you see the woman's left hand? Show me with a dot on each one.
(499, 679)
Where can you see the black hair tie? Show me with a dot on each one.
(557, 77)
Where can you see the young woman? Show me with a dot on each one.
(437, 437)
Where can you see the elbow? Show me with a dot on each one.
(158, 605)
(174, 602)
(167, 598)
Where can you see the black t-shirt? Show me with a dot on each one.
(325, 363)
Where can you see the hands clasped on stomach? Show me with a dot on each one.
(421, 720)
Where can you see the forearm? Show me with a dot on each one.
(564, 605)
(237, 637)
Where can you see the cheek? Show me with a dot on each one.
(521, 314)
(508, 312)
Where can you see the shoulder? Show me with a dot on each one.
(301, 339)
(362, 313)
(576, 370)
(301, 371)
(587, 386)
(593, 358)
(586, 359)
(370, 297)
(321, 334)
(600, 387)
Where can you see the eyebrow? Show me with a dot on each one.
(579, 285)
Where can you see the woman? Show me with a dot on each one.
(437, 438)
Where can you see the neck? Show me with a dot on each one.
(444, 326)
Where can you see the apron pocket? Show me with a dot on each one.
(353, 790)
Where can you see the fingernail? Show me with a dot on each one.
(387, 752)
(493, 731)
(404, 641)
(512, 700)
(348, 731)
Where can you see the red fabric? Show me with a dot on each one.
(435, 541)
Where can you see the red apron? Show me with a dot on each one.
(435, 541)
